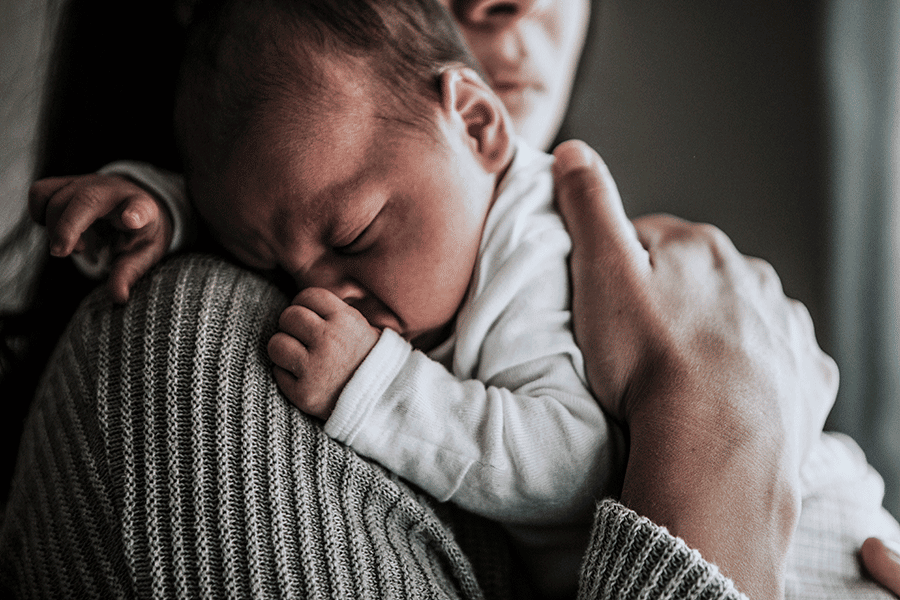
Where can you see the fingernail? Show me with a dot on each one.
(57, 250)
(575, 156)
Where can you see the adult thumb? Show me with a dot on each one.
(589, 201)
(608, 268)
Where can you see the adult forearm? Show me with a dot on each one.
(716, 484)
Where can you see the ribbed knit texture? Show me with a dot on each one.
(159, 461)
(630, 557)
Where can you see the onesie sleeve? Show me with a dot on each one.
(165, 186)
(520, 439)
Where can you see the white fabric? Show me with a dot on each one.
(499, 419)
(842, 497)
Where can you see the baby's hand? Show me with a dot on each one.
(321, 343)
(98, 213)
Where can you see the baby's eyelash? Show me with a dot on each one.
(354, 245)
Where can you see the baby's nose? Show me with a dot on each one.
(332, 279)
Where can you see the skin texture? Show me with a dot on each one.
(529, 51)
(376, 224)
(525, 56)
(704, 368)
(882, 561)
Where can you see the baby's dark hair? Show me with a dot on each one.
(243, 54)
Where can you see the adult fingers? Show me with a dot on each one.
(882, 561)
(609, 268)
(589, 201)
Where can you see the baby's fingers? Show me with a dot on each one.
(74, 208)
(130, 266)
(136, 212)
(302, 324)
(287, 353)
(41, 192)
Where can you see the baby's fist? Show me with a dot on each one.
(321, 342)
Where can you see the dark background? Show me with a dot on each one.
(710, 111)
(715, 112)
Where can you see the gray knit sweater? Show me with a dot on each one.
(159, 461)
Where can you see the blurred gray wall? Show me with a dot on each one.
(713, 111)
(22, 28)
(862, 53)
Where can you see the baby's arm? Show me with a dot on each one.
(513, 433)
(121, 220)
(517, 437)
(528, 445)
(535, 453)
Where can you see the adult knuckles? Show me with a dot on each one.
(802, 316)
(768, 276)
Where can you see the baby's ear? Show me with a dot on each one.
(473, 104)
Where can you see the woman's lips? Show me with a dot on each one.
(517, 95)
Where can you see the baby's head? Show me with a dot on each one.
(350, 143)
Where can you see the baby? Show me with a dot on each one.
(352, 145)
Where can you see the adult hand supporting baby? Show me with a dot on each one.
(715, 373)
(882, 560)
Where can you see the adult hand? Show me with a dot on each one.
(715, 373)
(882, 561)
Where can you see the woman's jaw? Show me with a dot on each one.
(529, 50)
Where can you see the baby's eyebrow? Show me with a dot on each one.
(326, 211)
(244, 245)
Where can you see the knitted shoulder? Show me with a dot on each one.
(199, 280)
(189, 317)
(187, 291)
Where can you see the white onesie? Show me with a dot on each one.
(499, 420)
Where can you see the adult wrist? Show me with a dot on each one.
(718, 478)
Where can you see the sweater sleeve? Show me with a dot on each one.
(520, 439)
(631, 557)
